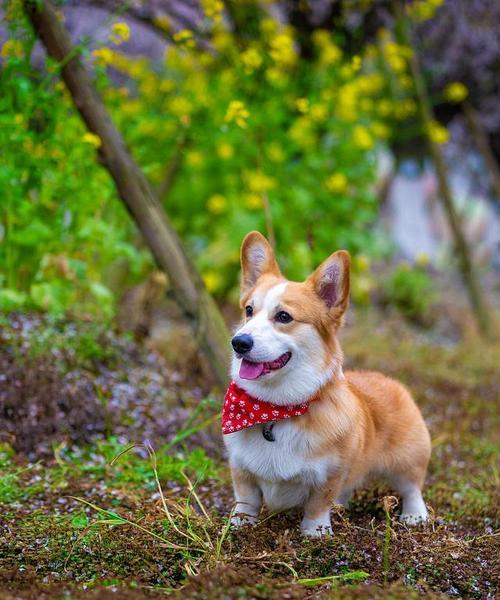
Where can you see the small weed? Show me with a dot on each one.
(390, 502)
(187, 525)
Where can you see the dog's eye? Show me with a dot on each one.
(248, 311)
(283, 317)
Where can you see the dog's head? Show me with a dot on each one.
(286, 347)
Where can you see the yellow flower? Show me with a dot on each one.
(185, 38)
(370, 83)
(318, 113)
(405, 108)
(437, 133)
(259, 182)
(253, 201)
(103, 55)
(362, 262)
(396, 55)
(356, 63)
(275, 152)
(422, 259)
(397, 63)
(180, 106)
(213, 9)
(222, 40)
(120, 32)
(275, 75)
(148, 128)
(321, 37)
(237, 113)
(302, 105)
(225, 151)
(302, 133)
(166, 86)
(132, 107)
(362, 138)
(149, 87)
(12, 48)
(268, 26)
(384, 107)
(455, 92)
(212, 280)
(380, 130)
(282, 49)
(217, 204)
(337, 183)
(423, 10)
(162, 22)
(92, 139)
(194, 158)
(346, 72)
(329, 53)
(346, 106)
(19, 119)
(252, 59)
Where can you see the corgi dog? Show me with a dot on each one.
(299, 432)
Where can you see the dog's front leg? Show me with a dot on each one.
(248, 498)
(316, 521)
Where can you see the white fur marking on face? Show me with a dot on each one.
(304, 374)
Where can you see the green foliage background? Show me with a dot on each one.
(255, 135)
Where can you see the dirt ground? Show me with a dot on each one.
(73, 525)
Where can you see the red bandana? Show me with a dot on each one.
(241, 410)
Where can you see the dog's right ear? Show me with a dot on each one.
(257, 258)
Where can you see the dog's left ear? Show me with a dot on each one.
(331, 281)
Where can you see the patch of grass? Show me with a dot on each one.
(84, 345)
(97, 462)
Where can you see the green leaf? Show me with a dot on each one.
(12, 299)
(32, 234)
(80, 521)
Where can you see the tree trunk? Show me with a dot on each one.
(462, 250)
(481, 140)
(135, 191)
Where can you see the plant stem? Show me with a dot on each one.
(462, 250)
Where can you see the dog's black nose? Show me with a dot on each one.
(242, 343)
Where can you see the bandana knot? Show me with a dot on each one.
(240, 410)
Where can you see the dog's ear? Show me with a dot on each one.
(257, 258)
(331, 281)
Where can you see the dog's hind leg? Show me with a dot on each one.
(344, 498)
(414, 510)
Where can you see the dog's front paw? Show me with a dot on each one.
(316, 527)
(242, 519)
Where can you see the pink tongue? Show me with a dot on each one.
(250, 370)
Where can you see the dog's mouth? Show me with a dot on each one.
(254, 370)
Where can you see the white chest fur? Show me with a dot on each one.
(285, 469)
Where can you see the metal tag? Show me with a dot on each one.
(267, 432)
